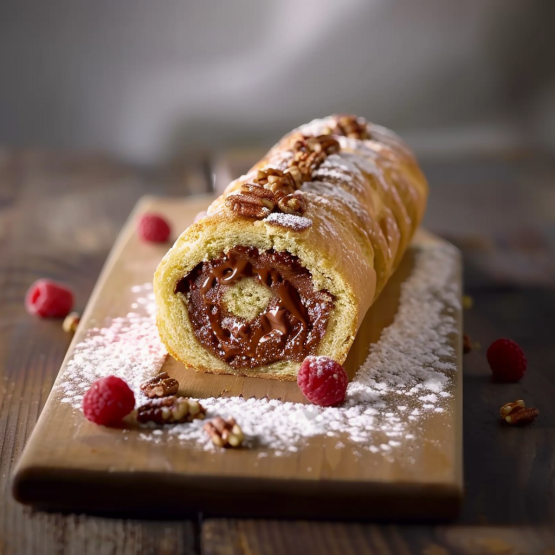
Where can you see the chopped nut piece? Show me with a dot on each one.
(468, 301)
(511, 408)
(276, 181)
(71, 322)
(524, 416)
(271, 185)
(467, 344)
(161, 385)
(170, 410)
(224, 433)
(292, 204)
(351, 126)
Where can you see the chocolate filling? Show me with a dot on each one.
(290, 328)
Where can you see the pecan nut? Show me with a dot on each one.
(224, 433)
(71, 321)
(517, 413)
(271, 185)
(307, 162)
(524, 416)
(292, 204)
(296, 175)
(323, 143)
(251, 205)
(260, 192)
(352, 127)
(161, 385)
(511, 408)
(276, 181)
(170, 410)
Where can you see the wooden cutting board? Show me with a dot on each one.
(72, 464)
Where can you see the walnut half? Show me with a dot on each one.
(170, 410)
(224, 433)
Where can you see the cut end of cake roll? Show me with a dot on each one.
(288, 260)
(257, 307)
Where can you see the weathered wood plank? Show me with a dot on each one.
(59, 215)
(245, 537)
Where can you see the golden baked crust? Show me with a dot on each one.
(363, 205)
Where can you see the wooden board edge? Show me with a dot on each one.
(236, 498)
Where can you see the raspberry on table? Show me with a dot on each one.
(48, 299)
(154, 228)
(507, 360)
(323, 381)
(108, 400)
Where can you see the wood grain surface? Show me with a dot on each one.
(500, 210)
(59, 217)
(72, 464)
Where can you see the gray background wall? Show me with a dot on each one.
(145, 79)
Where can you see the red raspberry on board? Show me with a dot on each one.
(154, 228)
(506, 360)
(108, 401)
(48, 299)
(323, 381)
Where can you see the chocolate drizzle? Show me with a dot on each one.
(290, 328)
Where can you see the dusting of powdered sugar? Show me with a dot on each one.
(408, 374)
(319, 126)
(288, 221)
(128, 347)
(378, 134)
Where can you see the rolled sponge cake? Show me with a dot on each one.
(256, 285)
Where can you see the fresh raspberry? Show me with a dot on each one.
(48, 299)
(323, 381)
(108, 400)
(154, 228)
(506, 360)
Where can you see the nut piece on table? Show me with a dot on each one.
(517, 413)
(468, 302)
(224, 433)
(161, 385)
(467, 344)
(170, 410)
(524, 416)
(71, 322)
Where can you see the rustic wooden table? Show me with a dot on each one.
(59, 215)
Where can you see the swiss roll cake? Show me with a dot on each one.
(290, 257)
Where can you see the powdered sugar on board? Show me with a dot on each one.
(128, 347)
(408, 375)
